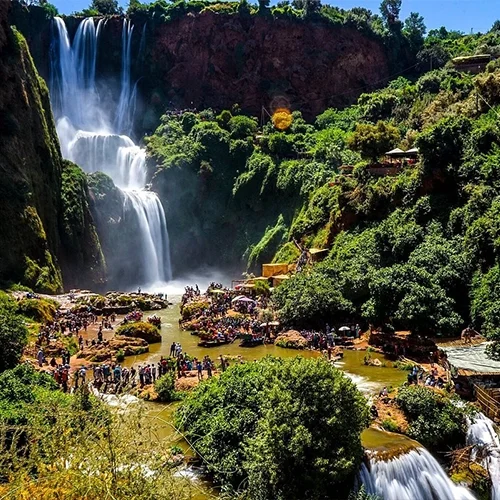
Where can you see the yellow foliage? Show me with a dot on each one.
(282, 119)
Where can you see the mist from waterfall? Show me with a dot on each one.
(415, 475)
(93, 135)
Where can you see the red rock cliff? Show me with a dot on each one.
(216, 60)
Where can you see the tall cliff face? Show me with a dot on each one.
(31, 172)
(215, 60)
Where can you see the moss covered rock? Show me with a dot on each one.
(140, 329)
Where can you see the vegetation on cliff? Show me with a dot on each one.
(46, 223)
(417, 250)
(436, 419)
(259, 424)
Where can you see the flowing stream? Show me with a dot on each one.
(92, 134)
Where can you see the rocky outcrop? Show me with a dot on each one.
(140, 330)
(109, 349)
(31, 170)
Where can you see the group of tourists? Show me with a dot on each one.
(417, 375)
(216, 322)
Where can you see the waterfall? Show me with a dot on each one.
(126, 104)
(415, 475)
(92, 138)
(481, 432)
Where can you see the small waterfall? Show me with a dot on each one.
(481, 432)
(90, 137)
(415, 475)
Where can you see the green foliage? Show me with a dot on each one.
(13, 336)
(193, 309)
(374, 140)
(140, 329)
(493, 350)
(106, 7)
(242, 127)
(260, 422)
(41, 310)
(436, 419)
(312, 298)
(165, 388)
(485, 309)
(263, 251)
(390, 425)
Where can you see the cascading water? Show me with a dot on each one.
(415, 475)
(93, 139)
(482, 433)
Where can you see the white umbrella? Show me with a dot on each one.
(239, 297)
(344, 329)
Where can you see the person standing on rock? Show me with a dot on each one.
(40, 357)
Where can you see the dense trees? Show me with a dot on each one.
(278, 428)
(417, 251)
(374, 140)
(106, 7)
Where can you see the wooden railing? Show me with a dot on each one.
(489, 405)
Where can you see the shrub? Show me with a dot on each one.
(493, 350)
(390, 425)
(165, 388)
(13, 338)
(260, 423)
(193, 309)
(435, 419)
(140, 329)
(120, 356)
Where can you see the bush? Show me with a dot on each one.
(493, 350)
(193, 309)
(435, 419)
(165, 388)
(13, 338)
(120, 356)
(140, 329)
(390, 425)
(287, 428)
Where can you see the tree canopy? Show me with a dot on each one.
(259, 424)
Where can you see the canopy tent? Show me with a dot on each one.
(413, 151)
(396, 153)
(242, 298)
(271, 323)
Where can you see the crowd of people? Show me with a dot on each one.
(213, 323)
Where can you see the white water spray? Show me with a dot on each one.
(482, 432)
(91, 138)
(415, 475)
